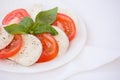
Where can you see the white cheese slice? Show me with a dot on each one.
(5, 38)
(63, 41)
(30, 51)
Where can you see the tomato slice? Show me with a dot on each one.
(12, 48)
(16, 44)
(50, 47)
(66, 24)
(15, 16)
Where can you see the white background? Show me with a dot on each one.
(109, 71)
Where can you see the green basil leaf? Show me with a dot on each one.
(39, 28)
(16, 29)
(27, 22)
(47, 17)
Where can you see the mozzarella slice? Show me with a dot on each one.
(30, 51)
(5, 38)
(62, 40)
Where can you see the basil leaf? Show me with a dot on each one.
(16, 29)
(47, 17)
(39, 28)
(42, 24)
(27, 22)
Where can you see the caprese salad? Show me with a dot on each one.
(27, 41)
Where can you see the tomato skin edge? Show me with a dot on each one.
(9, 50)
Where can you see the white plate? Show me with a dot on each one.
(75, 46)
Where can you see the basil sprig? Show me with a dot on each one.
(16, 29)
(42, 24)
(39, 28)
(27, 22)
(47, 17)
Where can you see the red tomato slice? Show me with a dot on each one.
(15, 16)
(12, 48)
(50, 47)
(66, 24)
